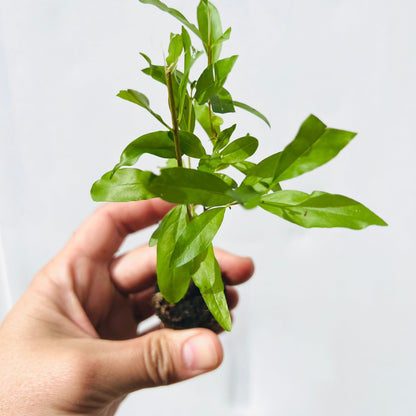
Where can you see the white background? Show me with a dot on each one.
(327, 325)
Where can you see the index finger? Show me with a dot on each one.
(100, 236)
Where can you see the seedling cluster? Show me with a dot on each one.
(198, 185)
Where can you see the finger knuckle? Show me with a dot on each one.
(158, 362)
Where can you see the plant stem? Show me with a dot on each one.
(175, 125)
(209, 55)
(171, 97)
(213, 132)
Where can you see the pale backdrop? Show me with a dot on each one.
(327, 326)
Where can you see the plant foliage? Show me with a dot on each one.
(184, 238)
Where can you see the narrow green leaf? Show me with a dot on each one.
(161, 144)
(189, 186)
(319, 209)
(227, 179)
(222, 69)
(186, 40)
(141, 100)
(202, 115)
(125, 185)
(213, 79)
(148, 60)
(247, 196)
(205, 86)
(243, 167)
(197, 236)
(252, 111)
(187, 120)
(175, 49)
(173, 282)
(134, 97)
(210, 29)
(222, 102)
(191, 145)
(157, 72)
(185, 102)
(223, 138)
(261, 176)
(239, 149)
(209, 163)
(170, 163)
(225, 36)
(209, 281)
(313, 146)
(173, 12)
(155, 236)
(187, 47)
(158, 143)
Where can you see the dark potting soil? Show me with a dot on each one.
(190, 312)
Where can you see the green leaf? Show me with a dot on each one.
(157, 72)
(175, 49)
(213, 79)
(160, 143)
(223, 138)
(239, 149)
(125, 185)
(173, 12)
(148, 60)
(243, 167)
(191, 145)
(313, 146)
(141, 100)
(202, 115)
(261, 177)
(173, 282)
(319, 209)
(209, 281)
(190, 57)
(170, 163)
(210, 29)
(222, 102)
(189, 186)
(205, 86)
(227, 179)
(187, 46)
(247, 196)
(187, 120)
(155, 236)
(222, 69)
(252, 111)
(197, 236)
(209, 163)
(225, 36)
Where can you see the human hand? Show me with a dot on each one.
(70, 344)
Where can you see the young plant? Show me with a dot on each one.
(186, 265)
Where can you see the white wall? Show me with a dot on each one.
(327, 325)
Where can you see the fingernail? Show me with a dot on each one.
(200, 353)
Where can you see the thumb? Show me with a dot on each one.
(161, 357)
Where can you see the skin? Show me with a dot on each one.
(70, 344)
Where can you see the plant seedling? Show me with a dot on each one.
(188, 274)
